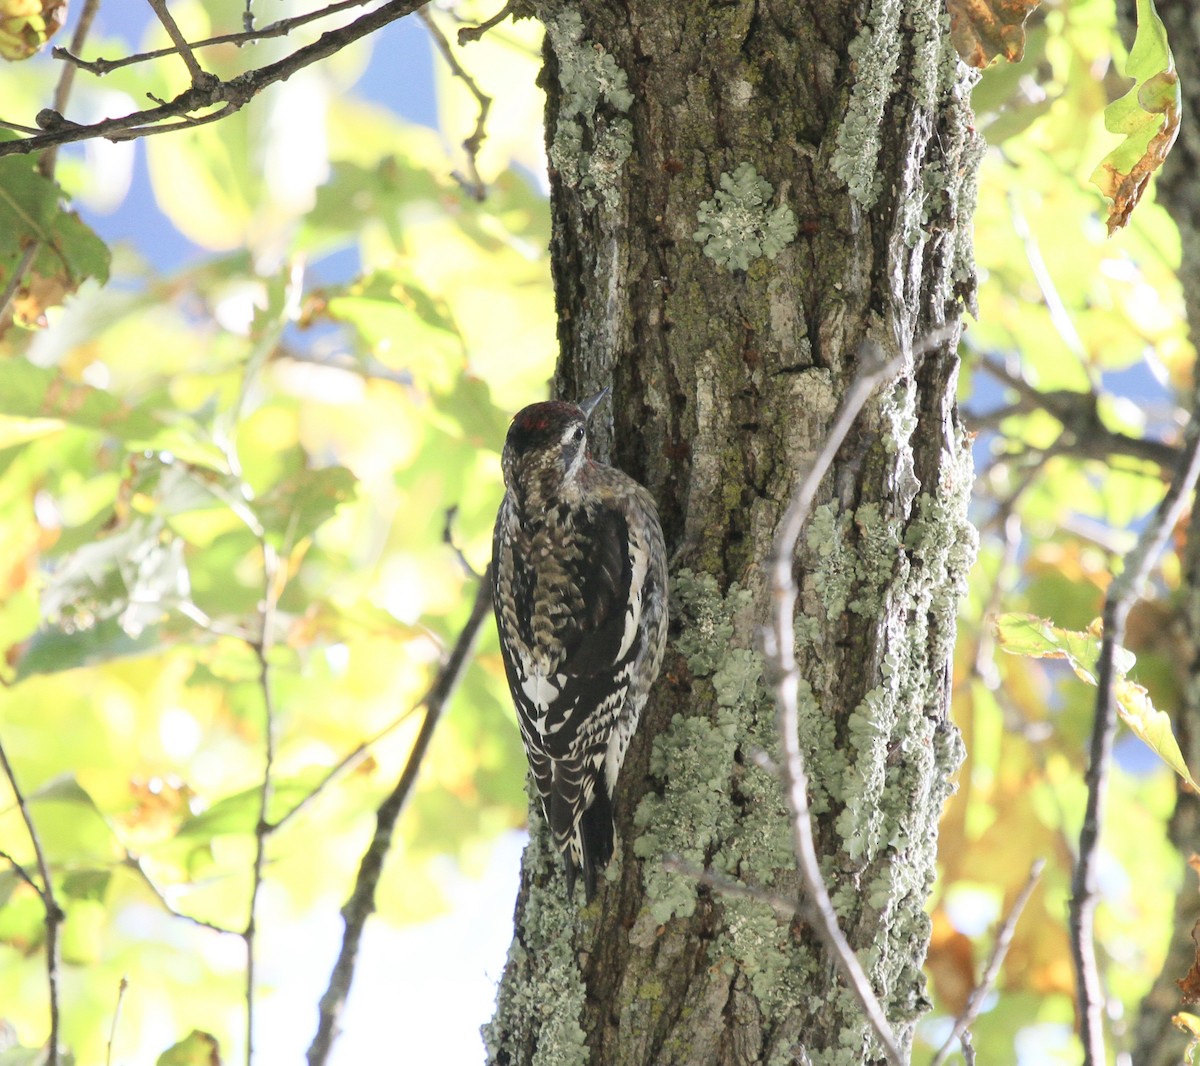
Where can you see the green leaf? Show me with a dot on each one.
(300, 503)
(1148, 117)
(29, 391)
(68, 252)
(70, 825)
(50, 651)
(87, 884)
(237, 815)
(196, 1049)
(1037, 638)
(405, 326)
(1152, 727)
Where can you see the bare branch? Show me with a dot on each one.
(448, 539)
(53, 913)
(1122, 593)
(282, 28)
(262, 830)
(473, 33)
(200, 78)
(361, 903)
(779, 639)
(474, 186)
(62, 91)
(726, 886)
(24, 875)
(968, 1048)
(231, 95)
(1084, 436)
(991, 970)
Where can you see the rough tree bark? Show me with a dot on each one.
(743, 193)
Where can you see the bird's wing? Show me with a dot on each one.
(593, 674)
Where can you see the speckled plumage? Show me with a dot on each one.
(580, 594)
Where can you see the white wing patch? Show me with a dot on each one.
(639, 562)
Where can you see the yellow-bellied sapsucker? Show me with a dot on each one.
(579, 573)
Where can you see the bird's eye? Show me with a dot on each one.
(578, 434)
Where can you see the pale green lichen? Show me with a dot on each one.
(874, 56)
(542, 969)
(853, 573)
(757, 943)
(589, 148)
(693, 758)
(697, 762)
(704, 642)
(739, 224)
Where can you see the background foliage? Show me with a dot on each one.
(270, 433)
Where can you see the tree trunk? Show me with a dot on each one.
(743, 194)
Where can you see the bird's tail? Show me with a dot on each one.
(586, 840)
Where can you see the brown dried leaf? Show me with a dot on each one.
(26, 25)
(1147, 116)
(984, 29)
(1189, 985)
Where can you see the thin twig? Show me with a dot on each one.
(24, 875)
(1079, 413)
(1059, 315)
(16, 127)
(112, 1029)
(449, 541)
(779, 639)
(282, 28)
(134, 863)
(1122, 592)
(473, 33)
(968, 1048)
(474, 186)
(991, 971)
(14, 283)
(342, 765)
(199, 76)
(727, 886)
(361, 903)
(62, 91)
(233, 94)
(262, 830)
(53, 912)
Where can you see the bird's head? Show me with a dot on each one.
(546, 448)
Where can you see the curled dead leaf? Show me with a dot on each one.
(26, 25)
(984, 29)
(1189, 984)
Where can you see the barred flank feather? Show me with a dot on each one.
(580, 594)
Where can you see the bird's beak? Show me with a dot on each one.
(592, 402)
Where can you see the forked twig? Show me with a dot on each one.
(227, 96)
(779, 639)
(473, 33)
(54, 914)
(474, 185)
(1122, 593)
(361, 903)
(991, 970)
(198, 75)
(281, 28)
